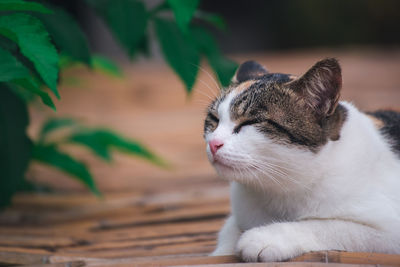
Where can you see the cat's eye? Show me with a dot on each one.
(245, 123)
(213, 117)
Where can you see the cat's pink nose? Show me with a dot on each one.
(215, 144)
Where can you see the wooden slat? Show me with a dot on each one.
(350, 257)
(281, 264)
(116, 207)
(7, 257)
(64, 264)
(155, 261)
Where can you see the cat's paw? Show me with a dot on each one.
(260, 244)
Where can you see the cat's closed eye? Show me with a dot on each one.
(213, 117)
(237, 129)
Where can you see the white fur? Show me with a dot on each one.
(287, 201)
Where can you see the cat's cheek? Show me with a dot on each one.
(261, 245)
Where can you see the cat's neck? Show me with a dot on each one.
(361, 146)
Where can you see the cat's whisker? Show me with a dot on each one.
(275, 167)
(273, 162)
(284, 175)
(212, 91)
(203, 102)
(202, 105)
(265, 161)
(289, 178)
(256, 180)
(268, 170)
(274, 171)
(249, 159)
(200, 101)
(208, 74)
(273, 178)
(205, 94)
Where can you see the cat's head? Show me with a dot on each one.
(266, 123)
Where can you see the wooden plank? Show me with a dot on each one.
(64, 264)
(217, 211)
(37, 241)
(162, 261)
(274, 264)
(148, 242)
(118, 209)
(155, 231)
(310, 259)
(204, 247)
(350, 257)
(9, 258)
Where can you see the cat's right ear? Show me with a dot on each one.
(249, 70)
(320, 86)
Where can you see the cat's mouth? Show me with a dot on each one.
(222, 164)
(226, 165)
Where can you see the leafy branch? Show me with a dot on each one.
(37, 41)
(101, 142)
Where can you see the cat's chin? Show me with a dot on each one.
(223, 165)
(224, 169)
(231, 171)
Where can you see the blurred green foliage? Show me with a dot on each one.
(38, 40)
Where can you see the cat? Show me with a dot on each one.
(307, 172)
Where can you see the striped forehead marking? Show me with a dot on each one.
(243, 86)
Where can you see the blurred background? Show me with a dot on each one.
(259, 26)
(150, 103)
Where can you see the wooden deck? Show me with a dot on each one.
(151, 216)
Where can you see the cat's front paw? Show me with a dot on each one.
(260, 244)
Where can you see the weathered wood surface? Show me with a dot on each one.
(150, 216)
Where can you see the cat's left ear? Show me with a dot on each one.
(249, 70)
(320, 86)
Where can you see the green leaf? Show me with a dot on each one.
(214, 19)
(66, 34)
(54, 124)
(183, 11)
(10, 67)
(15, 146)
(106, 65)
(33, 40)
(127, 20)
(144, 46)
(49, 154)
(32, 86)
(25, 95)
(179, 51)
(222, 66)
(97, 143)
(12, 47)
(19, 5)
(101, 141)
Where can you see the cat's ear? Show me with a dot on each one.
(320, 86)
(249, 70)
